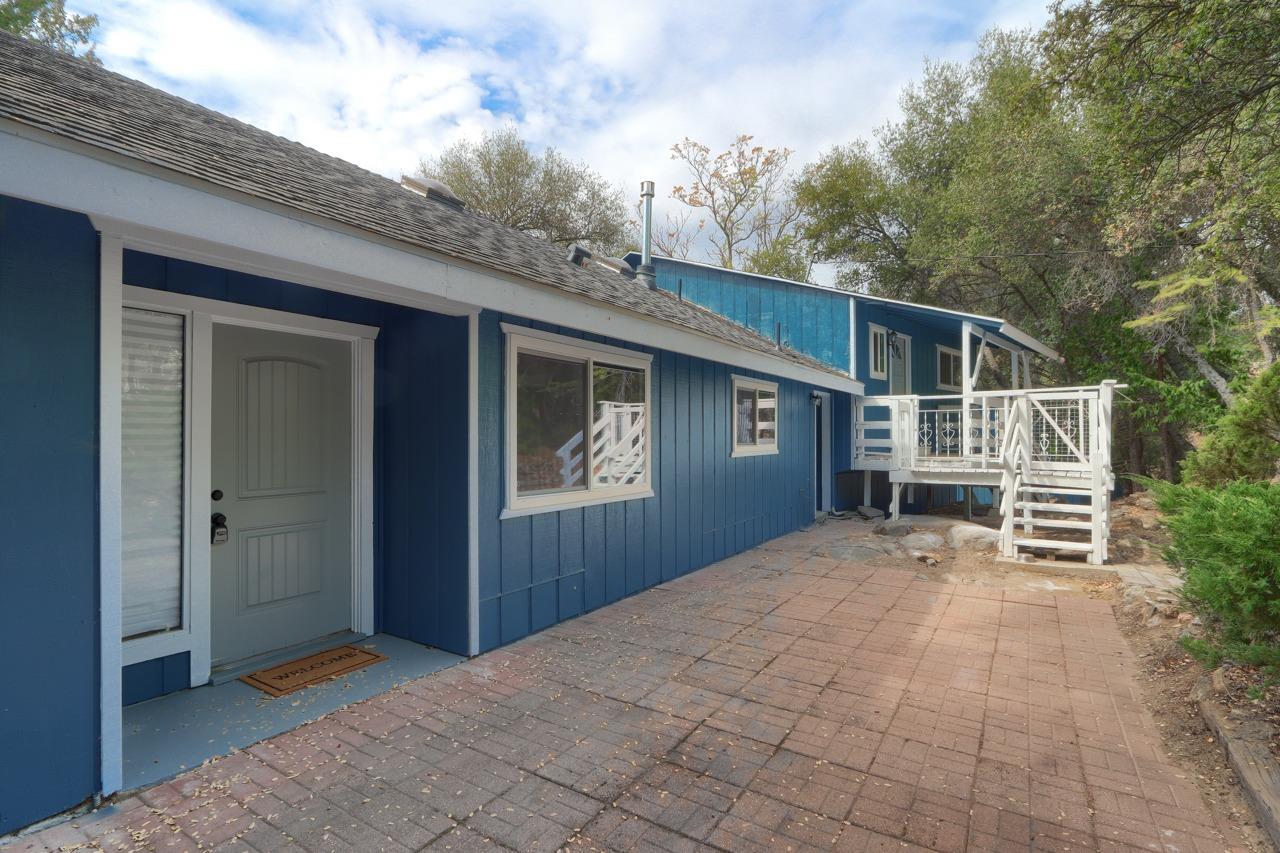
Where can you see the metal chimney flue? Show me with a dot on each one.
(645, 271)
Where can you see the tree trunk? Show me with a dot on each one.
(1168, 445)
(1179, 342)
(1136, 451)
(1254, 306)
(1203, 367)
(1168, 452)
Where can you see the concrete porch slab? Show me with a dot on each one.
(170, 734)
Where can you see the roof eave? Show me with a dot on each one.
(1020, 337)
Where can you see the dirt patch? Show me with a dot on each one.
(1252, 697)
(1167, 675)
(979, 569)
(1136, 533)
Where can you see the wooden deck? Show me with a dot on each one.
(1047, 452)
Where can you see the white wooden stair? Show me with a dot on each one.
(1046, 450)
(1048, 519)
(1057, 479)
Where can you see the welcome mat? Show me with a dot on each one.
(296, 674)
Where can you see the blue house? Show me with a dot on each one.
(258, 398)
(914, 353)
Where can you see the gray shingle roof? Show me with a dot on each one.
(73, 99)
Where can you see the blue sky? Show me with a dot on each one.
(384, 82)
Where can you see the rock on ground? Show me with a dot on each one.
(972, 537)
(924, 540)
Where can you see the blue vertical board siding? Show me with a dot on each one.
(841, 444)
(706, 505)
(571, 569)
(420, 421)
(593, 549)
(420, 435)
(157, 677)
(811, 320)
(925, 338)
(48, 553)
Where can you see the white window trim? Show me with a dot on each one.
(959, 356)
(523, 339)
(877, 332)
(753, 384)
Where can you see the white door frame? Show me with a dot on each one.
(202, 315)
(822, 414)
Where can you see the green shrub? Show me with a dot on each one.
(1245, 443)
(1227, 542)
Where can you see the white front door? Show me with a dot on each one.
(281, 474)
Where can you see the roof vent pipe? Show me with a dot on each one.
(432, 189)
(645, 271)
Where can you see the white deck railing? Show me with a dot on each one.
(1065, 429)
(1033, 445)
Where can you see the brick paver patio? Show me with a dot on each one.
(776, 701)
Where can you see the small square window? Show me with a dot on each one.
(755, 417)
(950, 369)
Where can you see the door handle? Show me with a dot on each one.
(218, 529)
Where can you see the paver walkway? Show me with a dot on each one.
(776, 701)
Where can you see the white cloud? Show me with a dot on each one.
(385, 82)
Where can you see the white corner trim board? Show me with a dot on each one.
(473, 483)
(110, 318)
(158, 211)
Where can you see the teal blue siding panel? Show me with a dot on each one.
(48, 552)
(707, 505)
(811, 320)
